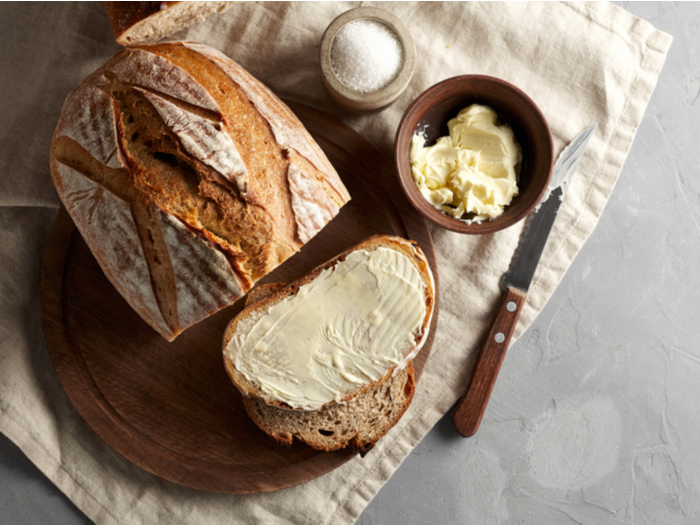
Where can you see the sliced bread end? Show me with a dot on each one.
(358, 423)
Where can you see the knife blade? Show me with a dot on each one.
(468, 413)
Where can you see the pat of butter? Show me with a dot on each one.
(343, 330)
(473, 172)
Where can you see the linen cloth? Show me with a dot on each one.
(582, 63)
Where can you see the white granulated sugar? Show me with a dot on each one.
(366, 55)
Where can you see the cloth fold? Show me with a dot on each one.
(582, 63)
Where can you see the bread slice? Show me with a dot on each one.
(357, 424)
(357, 417)
(149, 22)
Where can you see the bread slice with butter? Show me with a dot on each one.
(327, 359)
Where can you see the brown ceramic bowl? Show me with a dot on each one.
(443, 101)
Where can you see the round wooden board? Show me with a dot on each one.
(170, 407)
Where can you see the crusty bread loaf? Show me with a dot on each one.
(136, 23)
(188, 179)
(358, 417)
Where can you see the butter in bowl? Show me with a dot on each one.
(474, 154)
(473, 172)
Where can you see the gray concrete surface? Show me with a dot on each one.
(594, 418)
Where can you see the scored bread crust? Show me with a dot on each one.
(408, 248)
(188, 179)
(148, 22)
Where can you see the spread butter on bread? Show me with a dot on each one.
(188, 179)
(327, 359)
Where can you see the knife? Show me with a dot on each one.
(467, 415)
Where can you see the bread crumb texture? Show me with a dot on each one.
(358, 423)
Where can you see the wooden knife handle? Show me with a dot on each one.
(466, 417)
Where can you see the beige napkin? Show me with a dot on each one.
(581, 63)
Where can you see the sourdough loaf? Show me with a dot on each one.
(149, 22)
(355, 392)
(188, 179)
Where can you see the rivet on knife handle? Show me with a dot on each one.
(467, 415)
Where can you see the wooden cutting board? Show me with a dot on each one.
(170, 407)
